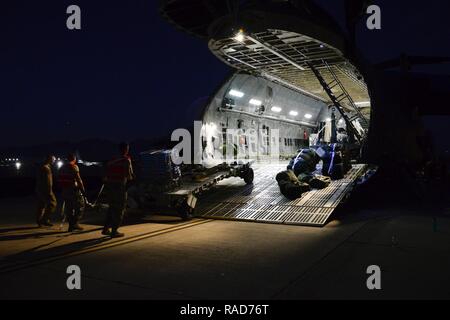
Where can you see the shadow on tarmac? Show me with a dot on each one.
(34, 254)
(18, 229)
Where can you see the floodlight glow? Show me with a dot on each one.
(328, 119)
(18, 165)
(293, 113)
(240, 37)
(308, 116)
(236, 93)
(276, 109)
(255, 102)
(59, 164)
(341, 121)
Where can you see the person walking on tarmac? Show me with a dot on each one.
(73, 192)
(46, 200)
(118, 172)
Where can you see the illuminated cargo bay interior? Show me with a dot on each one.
(300, 83)
(276, 86)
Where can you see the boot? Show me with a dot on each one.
(77, 227)
(39, 218)
(106, 231)
(116, 234)
(47, 223)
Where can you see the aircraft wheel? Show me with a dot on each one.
(185, 211)
(248, 176)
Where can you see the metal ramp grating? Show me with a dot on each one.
(263, 202)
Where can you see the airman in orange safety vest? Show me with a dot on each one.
(73, 192)
(118, 172)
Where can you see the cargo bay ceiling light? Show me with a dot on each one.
(255, 102)
(240, 37)
(293, 113)
(308, 116)
(363, 104)
(236, 93)
(276, 109)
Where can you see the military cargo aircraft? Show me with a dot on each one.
(296, 71)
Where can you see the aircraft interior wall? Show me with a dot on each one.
(248, 102)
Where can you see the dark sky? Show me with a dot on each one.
(129, 74)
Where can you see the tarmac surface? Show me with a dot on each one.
(162, 257)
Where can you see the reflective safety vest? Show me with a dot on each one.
(117, 170)
(66, 177)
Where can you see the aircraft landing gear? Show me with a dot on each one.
(185, 207)
(248, 175)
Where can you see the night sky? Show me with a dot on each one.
(129, 74)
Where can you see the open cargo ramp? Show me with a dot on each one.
(263, 202)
